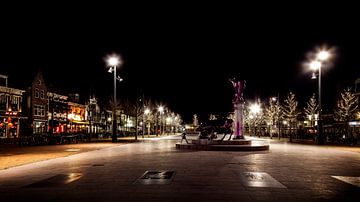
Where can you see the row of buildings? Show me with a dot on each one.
(36, 110)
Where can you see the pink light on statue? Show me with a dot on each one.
(238, 102)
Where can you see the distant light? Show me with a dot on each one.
(354, 123)
(255, 108)
(315, 65)
(323, 55)
(161, 109)
(147, 111)
(273, 98)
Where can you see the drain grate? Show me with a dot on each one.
(259, 179)
(56, 181)
(156, 177)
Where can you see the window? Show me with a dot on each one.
(42, 95)
(36, 93)
(39, 110)
(2, 102)
(15, 103)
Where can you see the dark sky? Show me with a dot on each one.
(182, 56)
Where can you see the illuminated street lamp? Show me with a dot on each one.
(321, 57)
(146, 113)
(254, 111)
(161, 110)
(114, 61)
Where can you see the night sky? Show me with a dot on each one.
(183, 56)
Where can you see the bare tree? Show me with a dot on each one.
(346, 106)
(272, 114)
(149, 116)
(290, 111)
(311, 110)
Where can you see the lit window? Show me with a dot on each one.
(42, 95)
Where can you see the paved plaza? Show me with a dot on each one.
(154, 170)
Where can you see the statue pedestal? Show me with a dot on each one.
(238, 107)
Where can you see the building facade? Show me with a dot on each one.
(11, 114)
(57, 113)
(37, 105)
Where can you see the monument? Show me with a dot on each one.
(238, 102)
(238, 143)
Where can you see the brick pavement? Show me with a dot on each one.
(109, 174)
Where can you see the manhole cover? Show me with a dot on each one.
(259, 179)
(156, 177)
(56, 181)
(350, 180)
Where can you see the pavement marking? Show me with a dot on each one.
(259, 179)
(55, 181)
(350, 180)
(156, 177)
(72, 150)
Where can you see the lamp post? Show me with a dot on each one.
(255, 109)
(321, 57)
(161, 110)
(114, 61)
(146, 113)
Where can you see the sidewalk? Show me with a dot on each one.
(12, 155)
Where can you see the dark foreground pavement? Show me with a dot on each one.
(288, 172)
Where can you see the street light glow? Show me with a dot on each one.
(315, 65)
(147, 111)
(255, 108)
(323, 55)
(114, 60)
(161, 109)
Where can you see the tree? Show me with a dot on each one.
(149, 115)
(290, 111)
(311, 109)
(272, 114)
(346, 106)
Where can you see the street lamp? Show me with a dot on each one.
(255, 110)
(161, 110)
(113, 62)
(321, 57)
(146, 113)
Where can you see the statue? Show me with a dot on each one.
(238, 102)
